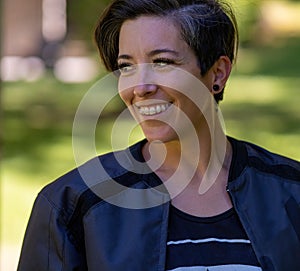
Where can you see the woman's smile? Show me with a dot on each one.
(152, 109)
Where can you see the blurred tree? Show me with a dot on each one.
(248, 14)
(1, 113)
(82, 18)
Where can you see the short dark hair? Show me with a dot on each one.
(209, 27)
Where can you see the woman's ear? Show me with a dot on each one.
(221, 70)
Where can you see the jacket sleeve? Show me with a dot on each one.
(46, 246)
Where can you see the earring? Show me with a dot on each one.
(216, 87)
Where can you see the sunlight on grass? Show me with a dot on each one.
(254, 89)
(264, 111)
(18, 194)
(17, 197)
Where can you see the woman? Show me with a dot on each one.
(195, 199)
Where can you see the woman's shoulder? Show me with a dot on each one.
(261, 159)
(96, 171)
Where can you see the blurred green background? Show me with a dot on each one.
(261, 105)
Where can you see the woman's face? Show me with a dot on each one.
(157, 106)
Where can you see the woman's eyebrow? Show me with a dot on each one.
(164, 50)
(128, 57)
(152, 53)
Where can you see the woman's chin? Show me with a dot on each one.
(164, 136)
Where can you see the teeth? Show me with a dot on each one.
(158, 109)
(154, 109)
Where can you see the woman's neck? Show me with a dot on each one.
(194, 173)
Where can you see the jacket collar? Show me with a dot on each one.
(239, 159)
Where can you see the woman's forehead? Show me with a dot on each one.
(148, 30)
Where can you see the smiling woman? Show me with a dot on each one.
(157, 42)
(187, 197)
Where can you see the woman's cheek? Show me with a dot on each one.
(126, 95)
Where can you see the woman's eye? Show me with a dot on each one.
(162, 62)
(125, 68)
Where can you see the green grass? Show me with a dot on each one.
(265, 111)
(261, 105)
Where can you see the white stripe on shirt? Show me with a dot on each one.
(207, 240)
(228, 267)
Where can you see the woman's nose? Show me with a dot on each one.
(144, 84)
(142, 90)
(141, 81)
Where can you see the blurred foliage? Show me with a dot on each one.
(39, 116)
(83, 16)
(247, 13)
(278, 59)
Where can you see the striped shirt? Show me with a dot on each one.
(216, 243)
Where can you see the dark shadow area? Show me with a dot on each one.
(273, 118)
(281, 58)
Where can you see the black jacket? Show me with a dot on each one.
(73, 228)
